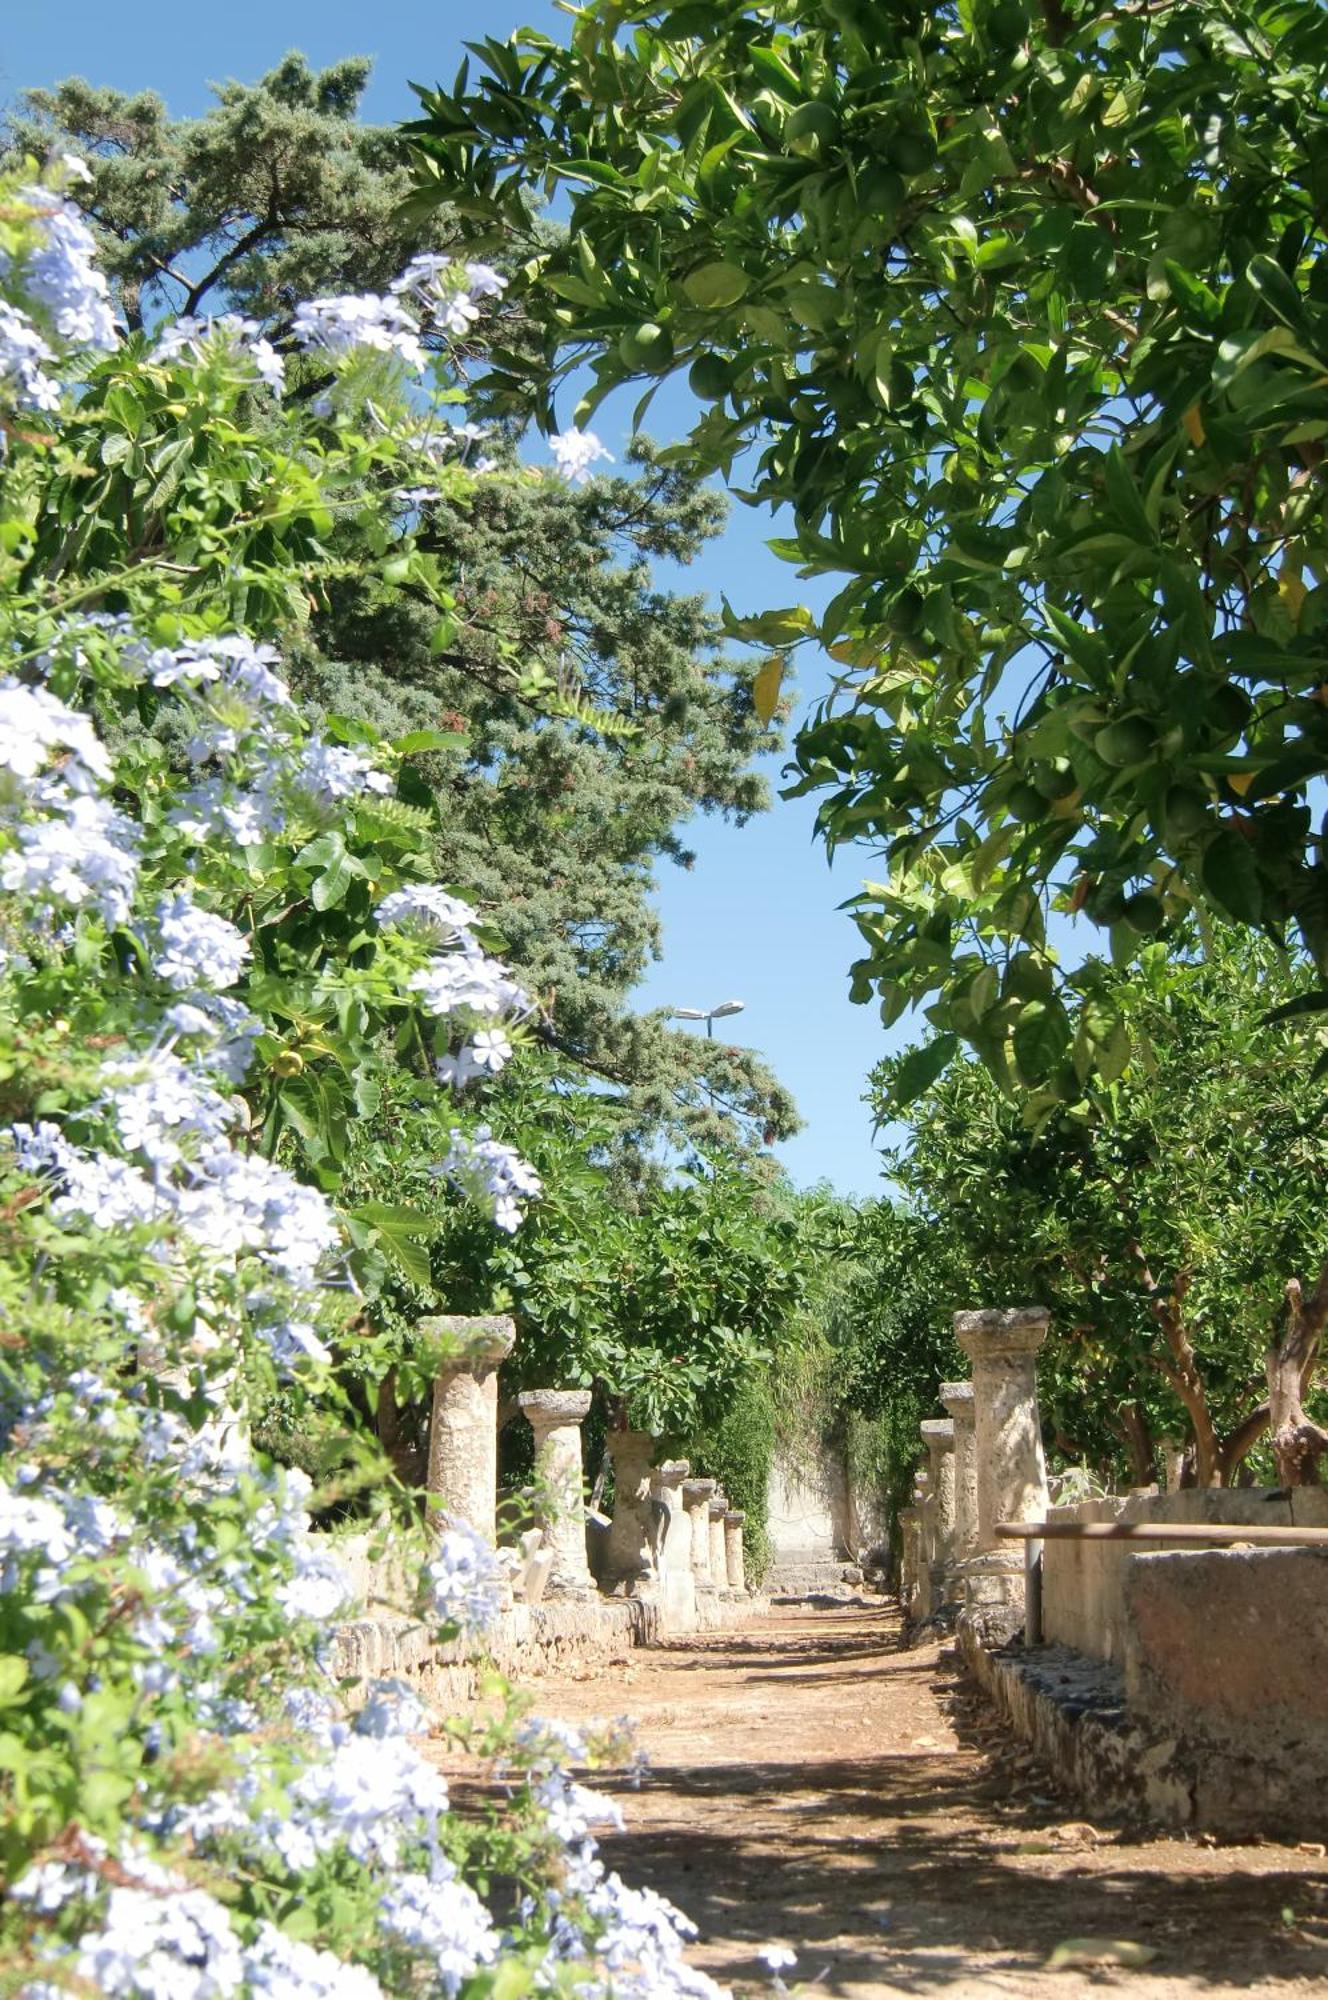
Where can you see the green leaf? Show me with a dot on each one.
(1041, 1037)
(429, 739)
(919, 1070)
(1231, 876)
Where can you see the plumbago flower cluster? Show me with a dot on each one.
(216, 928)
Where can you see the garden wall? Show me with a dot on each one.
(1083, 1583)
(524, 1642)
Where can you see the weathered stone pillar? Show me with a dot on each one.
(719, 1562)
(924, 1503)
(1011, 1469)
(462, 1478)
(957, 1398)
(696, 1499)
(673, 1544)
(939, 1438)
(628, 1559)
(556, 1416)
(910, 1523)
(733, 1550)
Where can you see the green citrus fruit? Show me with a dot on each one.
(1185, 812)
(1129, 741)
(649, 346)
(810, 129)
(708, 377)
(1144, 913)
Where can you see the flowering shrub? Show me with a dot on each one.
(219, 942)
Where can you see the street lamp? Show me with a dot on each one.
(710, 1015)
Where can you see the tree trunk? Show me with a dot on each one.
(398, 1433)
(1298, 1442)
(1181, 1369)
(1237, 1448)
(1130, 1426)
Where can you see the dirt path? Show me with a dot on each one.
(814, 1785)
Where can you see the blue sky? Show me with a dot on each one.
(757, 919)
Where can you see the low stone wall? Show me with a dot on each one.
(1214, 1711)
(1084, 1583)
(524, 1642)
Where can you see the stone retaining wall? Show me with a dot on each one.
(1084, 1583)
(524, 1641)
(1218, 1717)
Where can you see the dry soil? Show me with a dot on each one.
(813, 1784)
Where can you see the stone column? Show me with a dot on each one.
(957, 1397)
(925, 1507)
(696, 1499)
(939, 1438)
(462, 1479)
(556, 1416)
(719, 1562)
(733, 1550)
(673, 1544)
(909, 1526)
(628, 1560)
(1011, 1469)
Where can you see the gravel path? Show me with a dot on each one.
(812, 1784)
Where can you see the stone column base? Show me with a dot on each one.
(993, 1597)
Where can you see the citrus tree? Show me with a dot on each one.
(1166, 1227)
(1020, 310)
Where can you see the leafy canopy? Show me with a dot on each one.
(1023, 311)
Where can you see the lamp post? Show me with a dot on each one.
(709, 1015)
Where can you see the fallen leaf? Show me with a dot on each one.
(1076, 1953)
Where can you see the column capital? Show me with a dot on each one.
(672, 1472)
(546, 1407)
(734, 1517)
(719, 1507)
(957, 1398)
(995, 1334)
(938, 1433)
(481, 1341)
(694, 1491)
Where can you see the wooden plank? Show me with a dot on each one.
(1202, 1532)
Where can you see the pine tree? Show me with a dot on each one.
(599, 711)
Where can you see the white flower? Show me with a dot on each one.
(329, 773)
(483, 1055)
(22, 352)
(285, 1969)
(158, 1102)
(60, 274)
(161, 1947)
(244, 337)
(338, 325)
(575, 452)
(371, 1795)
(468, 982)
(425, 909)
(320, 1587)
(197, 948)
(487, 1170)
(33, 723)
(443, 1918)
(83, 854)
(391, 1708)
(777, 1958)
(462, 1579)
